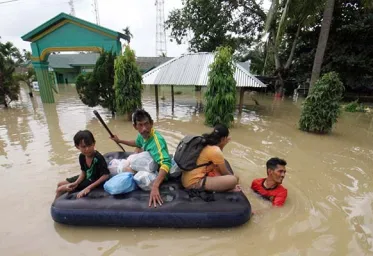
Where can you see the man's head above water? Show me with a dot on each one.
(142, 122)
(276, 170)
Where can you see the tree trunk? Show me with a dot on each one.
(30, 89)
(291, 55)
(323, 40)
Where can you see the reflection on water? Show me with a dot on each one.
(329, 179)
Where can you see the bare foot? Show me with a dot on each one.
(236, 189)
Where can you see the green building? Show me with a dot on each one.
(66, 67)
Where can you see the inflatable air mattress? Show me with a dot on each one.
(181, 209)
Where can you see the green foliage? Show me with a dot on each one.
(97, 88)
(127, 83)
(221, 89)
(349, 47)
(213, 23)
(26, 77)
(262, 61)
(321, 107)
(354, 107)
(9, 88)
(127, 34)
(88, 90)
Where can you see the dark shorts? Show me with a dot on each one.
(85, 183)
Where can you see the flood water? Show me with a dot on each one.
(329, 210)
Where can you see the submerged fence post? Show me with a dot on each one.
(242, 92)
(156, 97)
(172, 98)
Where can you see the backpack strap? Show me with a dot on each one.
(205, 164)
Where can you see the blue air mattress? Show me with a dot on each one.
(181, 209)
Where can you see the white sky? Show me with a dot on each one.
(20, 17)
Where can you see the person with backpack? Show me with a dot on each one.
(210, 172)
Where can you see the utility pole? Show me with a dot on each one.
(160, 47)
(72, 9)
(95, 7)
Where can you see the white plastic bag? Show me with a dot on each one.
(143, 162)
(175, 171)
(117, 166)
(145, 179)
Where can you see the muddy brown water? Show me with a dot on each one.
(329, 210)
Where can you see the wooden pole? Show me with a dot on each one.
(242, 92)
(172, 98)
(156, 97)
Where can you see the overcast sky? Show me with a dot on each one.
(20, 17)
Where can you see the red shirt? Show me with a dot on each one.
(276, 195)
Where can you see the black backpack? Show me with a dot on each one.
(187, 152)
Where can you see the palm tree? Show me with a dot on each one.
(323, 40)
(282, 14)
(8, 88)
(127, 33)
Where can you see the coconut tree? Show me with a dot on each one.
(324, 35)
(9, 89)
(283, 14)
(323, 40)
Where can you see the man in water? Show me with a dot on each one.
(270, 188)
(148, 139)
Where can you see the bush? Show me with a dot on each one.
(221, 89)
(88, 90)
(354, 107)
(97, 88)
(321, 107)
(127, 83)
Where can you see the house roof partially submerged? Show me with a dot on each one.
(89, 59)
(148, 63)
(71, 60)
(192, 69)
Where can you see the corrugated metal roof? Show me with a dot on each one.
(192, 69)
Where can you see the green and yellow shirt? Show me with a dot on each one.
(157, 147)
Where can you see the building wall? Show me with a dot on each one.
(71, 74)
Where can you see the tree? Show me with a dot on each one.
(285, 21)
(97, 89)
(27, 77)
(323, 40)
(9, 89)
(221, 89)
(213, 23)
(127, 83)
(88, 89)
(348, 50)
(321, 108)
(127, 33)
(324, 33)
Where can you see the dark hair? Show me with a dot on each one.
(85, 136)
(274, 161)
(220, 131)
(140, 115)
